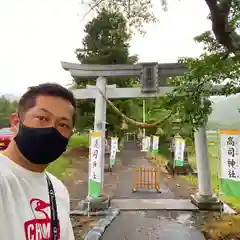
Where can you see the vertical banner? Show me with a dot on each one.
(118, 145)
(144, 149)
(230, 162)
(148, 143)
(155, 144)
(179, 152)
(238, 27)
(114, 148)
(95, 171)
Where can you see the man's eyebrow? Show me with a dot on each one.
(46, 111)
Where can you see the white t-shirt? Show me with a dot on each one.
(24, 204)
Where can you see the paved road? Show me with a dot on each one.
(153, 226)
(148, 225)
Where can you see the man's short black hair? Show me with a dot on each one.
(28, 99)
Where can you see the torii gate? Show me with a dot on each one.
(204, 198)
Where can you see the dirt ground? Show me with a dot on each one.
(77, 185)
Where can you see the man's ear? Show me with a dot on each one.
(14, 122)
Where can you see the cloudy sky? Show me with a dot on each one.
(36, 35)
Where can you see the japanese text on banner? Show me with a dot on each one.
(148, 142)
(179, 151)
(114, 148)
(230, 164)
(155, 143)
(95, 157)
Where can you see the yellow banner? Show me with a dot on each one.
(95, 134)
(229, 131)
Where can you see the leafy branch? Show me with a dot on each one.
(224, 16)
(190, 97)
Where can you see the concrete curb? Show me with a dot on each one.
(228, 209)
(96, 232)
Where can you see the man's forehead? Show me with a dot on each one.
(55, 106)
(67, 117)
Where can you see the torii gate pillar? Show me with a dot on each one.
(100, 119)
(204, 198)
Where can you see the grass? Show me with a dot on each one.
(213, 149)
(61, 168)
(79, 141)
(161, 158)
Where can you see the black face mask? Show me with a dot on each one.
(40, 145)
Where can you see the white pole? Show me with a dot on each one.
(100, 119)
(144, 116)
(203, 166)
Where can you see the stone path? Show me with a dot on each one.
(145, 225)
(153, 204)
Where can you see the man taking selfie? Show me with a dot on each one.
(33, 203)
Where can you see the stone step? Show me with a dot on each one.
(153, 204)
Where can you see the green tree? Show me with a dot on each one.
(189, 101)
(6, 109)
(212, 68)
(219, 62)
(106, 42)
(224, 14)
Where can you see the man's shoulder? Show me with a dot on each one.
(5, 168)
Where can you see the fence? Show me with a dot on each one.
(146, 178)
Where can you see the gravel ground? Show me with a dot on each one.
(77, 186)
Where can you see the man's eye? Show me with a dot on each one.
(41, 118)
(63, 125)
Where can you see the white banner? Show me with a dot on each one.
(95, 157)
(230, 158)
(148, 142)
(155, 143)
(238, 27)
(143, 145)
(179, 149)
(114, 147)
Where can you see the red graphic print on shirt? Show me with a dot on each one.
(39, 228)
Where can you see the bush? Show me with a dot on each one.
(79, 141)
